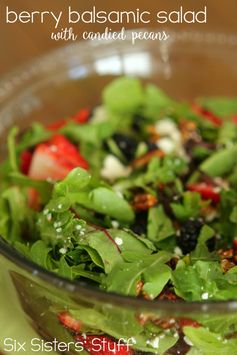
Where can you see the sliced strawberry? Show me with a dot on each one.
(234, 119)
(33, 199)
(102, 345)
(55, 159)
(207, 115)
(25, 160)
(207, 191)
(81, 117)
(56, 125)
(69, 322)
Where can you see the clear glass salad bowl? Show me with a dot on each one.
(57, 85)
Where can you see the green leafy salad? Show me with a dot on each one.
(137, 196)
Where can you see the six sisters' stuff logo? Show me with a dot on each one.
(96, 345)
(74, 18)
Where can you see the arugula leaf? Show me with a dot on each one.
(156, 102)
(43, 187)
(76, 180)
(227, 133)
(190, 207)
(201, 251)
(110, 203)
(12, 148)
(221, 106)
(94, 255)
(35, 135)
(93, 133)
(150, 268)
(210, 343)
(64, 269)
(17, 217)
(103, 245)
(204, 280)
(129, 242)
(220, 163)
(155, 278)
(116, 98)
(39, 253)
(159, 225)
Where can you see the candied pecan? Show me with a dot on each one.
(144, 201)
(143, 318)
(226, 254)
(226, 265)
(145, 159)
(188, 322)
(153, 132)
(188, 130)
(167, 295)
(228, 258)
(139, 287)
(235, 245)
(166, 322)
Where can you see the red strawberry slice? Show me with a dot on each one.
(207, 191)
(57, 125)
(55, 159)
(234, 119)
(102, 345)
(207, 115)
(69, 322)
(81, 117)
(25, 160)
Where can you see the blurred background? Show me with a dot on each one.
(21, 42)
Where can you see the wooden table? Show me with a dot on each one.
(21, 42)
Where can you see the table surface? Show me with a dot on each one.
(21, 42)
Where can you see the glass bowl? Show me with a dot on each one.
(189, 64)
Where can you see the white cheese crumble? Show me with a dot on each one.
(205, 296)
(113, 168)
(166, 145)
(165, 127)
(115, 224)
(118, 241)
(99, 114)
(178, 251)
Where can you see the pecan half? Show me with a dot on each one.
(143, 202)
(145, 159)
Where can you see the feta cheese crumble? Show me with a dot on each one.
(205, 296)
(114, 169)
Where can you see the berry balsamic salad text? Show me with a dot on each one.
(137, 196)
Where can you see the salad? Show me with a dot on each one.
(137, 196)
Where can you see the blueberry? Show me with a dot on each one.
(126, 144)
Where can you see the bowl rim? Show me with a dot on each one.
(9, 252)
